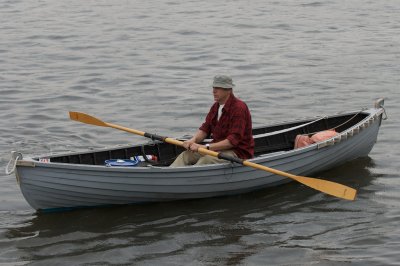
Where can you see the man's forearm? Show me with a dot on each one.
(221, 145)
(199, 136)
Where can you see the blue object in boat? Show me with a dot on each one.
(122, 162)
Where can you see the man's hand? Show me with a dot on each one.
(188, 143)
(195, 147)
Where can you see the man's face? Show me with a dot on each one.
(221, 94)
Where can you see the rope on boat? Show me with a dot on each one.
(351, 118)
(287, 129)
(345, 122)
(15, 156)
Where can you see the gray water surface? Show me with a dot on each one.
(148, 65)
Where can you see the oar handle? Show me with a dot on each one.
(203, 151)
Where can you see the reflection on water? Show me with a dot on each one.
(228, 230)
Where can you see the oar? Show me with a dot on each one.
(328, 187)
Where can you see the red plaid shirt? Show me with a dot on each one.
(234, 125)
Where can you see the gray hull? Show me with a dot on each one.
(49, 186)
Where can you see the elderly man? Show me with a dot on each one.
(228, 124)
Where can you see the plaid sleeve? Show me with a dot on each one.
(206, 126)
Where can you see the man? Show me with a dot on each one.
(229, 125)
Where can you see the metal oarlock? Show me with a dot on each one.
(15, 156)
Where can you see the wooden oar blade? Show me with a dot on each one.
(328, 187)
(87, 119)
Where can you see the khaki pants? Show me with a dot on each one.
(195, 158)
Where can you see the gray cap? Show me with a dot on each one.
(222, 81)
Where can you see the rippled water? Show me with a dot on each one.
(149, 65)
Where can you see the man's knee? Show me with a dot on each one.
(207, 159)
(185, 158)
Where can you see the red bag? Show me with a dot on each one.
(304, 140)
(323, 135)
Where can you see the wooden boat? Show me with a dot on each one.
(71, 180)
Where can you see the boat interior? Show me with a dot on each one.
(268, 139)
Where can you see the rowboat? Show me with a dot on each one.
(71, 180)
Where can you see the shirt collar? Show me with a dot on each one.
(229, 102)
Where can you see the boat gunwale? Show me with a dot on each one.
(26, 161)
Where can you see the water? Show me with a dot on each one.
(149, 65)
